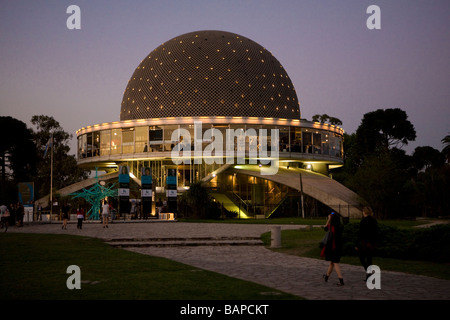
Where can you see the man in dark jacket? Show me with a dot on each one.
(367, 238)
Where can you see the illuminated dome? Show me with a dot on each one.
(209, 73)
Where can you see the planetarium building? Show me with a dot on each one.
(217, 107)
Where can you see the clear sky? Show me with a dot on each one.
(337, 65)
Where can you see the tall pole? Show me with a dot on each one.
(301, 196)
(51, 177)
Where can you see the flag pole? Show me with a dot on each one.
(51, 177)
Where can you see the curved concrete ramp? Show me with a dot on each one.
(44, 201)
(320, 187)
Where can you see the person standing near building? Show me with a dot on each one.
(80, 217)
(12, 214)
(112, 211)
(159, 205)
(367, 238)
(39, 210)
(20, 213)
(332, 251)
(4, 216)
(65, 215)
(105, 214)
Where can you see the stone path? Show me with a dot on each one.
(234, 250)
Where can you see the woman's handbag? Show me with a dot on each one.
(326, 238)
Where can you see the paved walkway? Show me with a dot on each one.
(232, 249)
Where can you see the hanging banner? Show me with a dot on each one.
(26, 193)
(171, 193)
(124, 176)
(146, 192)
(124, 190)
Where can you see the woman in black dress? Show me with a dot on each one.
(333, 248)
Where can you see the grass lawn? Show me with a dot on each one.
(34, 266)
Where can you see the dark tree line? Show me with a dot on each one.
(393, 183)
(22, 157)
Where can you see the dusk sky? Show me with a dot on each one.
(337, 65)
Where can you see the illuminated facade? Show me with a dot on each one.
(222, 81)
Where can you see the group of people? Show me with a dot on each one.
(11, 215)
(65, 216)
(332, 248)
(107, 209)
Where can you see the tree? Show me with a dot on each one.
(446, 150)
(426, 157)
(375, 168)
(380, 181)
(17, 154)
(323, 118)
(65, 169)
(383, 129)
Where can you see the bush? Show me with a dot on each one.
(430, 244)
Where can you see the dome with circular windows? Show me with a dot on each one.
(209, 73)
